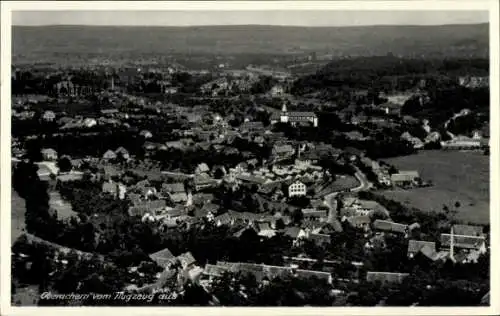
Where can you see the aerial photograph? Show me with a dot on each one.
(250, 158)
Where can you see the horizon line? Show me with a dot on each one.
(239, 25)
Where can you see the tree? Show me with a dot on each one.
(280, 224)
(34, 151)
(218, 174)
(297, 215)
(64, 164)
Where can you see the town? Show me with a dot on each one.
(245, 186)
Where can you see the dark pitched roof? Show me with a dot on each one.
(359, 220)
(391, 277)
(306, 274)
(390, 226)
(468, 230)
(215, 270)
(466, 242)
(173, 187)
(292, 232)
(319, 239)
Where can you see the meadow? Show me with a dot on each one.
(458, 176)
(18, 209)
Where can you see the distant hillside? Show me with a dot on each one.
(53, 42)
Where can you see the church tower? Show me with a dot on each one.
(284, 114)
(283, 109)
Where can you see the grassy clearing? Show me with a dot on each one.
(457, 176)
(18, 210)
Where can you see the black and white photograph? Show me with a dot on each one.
(248, 157)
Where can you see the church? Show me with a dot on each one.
(294, 118)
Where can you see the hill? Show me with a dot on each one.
(53, 43)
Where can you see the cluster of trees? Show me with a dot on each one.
(444, 101)
(243, 290)
(465, 125)
(385, 73)
(38, 82)
(87, 198)
(263, 85)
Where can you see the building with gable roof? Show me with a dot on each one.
(294, 118)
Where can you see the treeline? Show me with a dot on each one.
(387, 73)
(446, 101)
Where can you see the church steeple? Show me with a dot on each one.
(283, 109)
(452, 245)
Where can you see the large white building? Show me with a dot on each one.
(294, 118)
(297, 189)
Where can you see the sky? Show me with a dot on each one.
(292, 18)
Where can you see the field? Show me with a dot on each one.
(63, 208)
(18, 208)
(457, 176)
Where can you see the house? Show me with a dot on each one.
(202, 168)
(391, 108)
(282, 151)
(462, 142)
(109, 155)
(141, 208)
(89, 122)
(167, 188)
(416, 142)
(468, 230)
(180, 144)
(48, 116)
(109, 112)
(162, 258)
(390, 227)
(277, 91)
(464, 242)
(123, 153)
(414, 246)
(294, 118)
(203, 182)
(251, 126)
(249, 179)
(146, 134)
(404, 178)
(265, 230)
(49, 154)
(362, 221)
(319, 239)
(117, 190)
(186, 260)
(314, 214)
(367, 207)
(386, 277)
(297, 189)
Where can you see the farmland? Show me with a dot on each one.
(457, 176)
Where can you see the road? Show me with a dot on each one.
(364, 184)
(329, 199)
